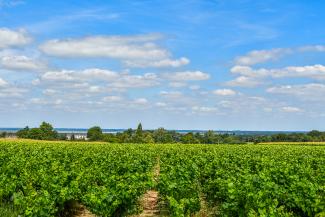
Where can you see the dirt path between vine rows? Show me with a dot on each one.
(83, 212)
(149, 200)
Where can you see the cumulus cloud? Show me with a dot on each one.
(158, 63)
(261, 56)
(204, 109)
(313, 71)
(112, 99)
(177, 84)
(76, 84)
(171, 94)
(21, 63)
(291, 109)
(3, 83)
(307, 92)
(249, 77)
(139, 51)
(224, 92)
(83, 75)
(312, 48)
(244, 81)
(12, 38)
(8, 90)
(186, 76)
(141, 101)
(120, 47)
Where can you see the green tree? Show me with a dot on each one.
(23, 133)
(139, 130)
(210, 137)
(47, 132)
(3, 135)
(148, 138)
(138, 137)
(95, 134)
(189, 138)
(162, 136)
(35, 133)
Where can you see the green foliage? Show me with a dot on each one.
(3, 134)
(44, 132)
(42, 178)
(189, 138)
(95, 134)
(8, 210)
(244, 180)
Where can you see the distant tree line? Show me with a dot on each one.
(46, 132)
(209, 137)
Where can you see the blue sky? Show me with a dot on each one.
(235, 64)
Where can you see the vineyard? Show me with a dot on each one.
(45, 178)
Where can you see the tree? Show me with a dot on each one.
(210, 137)
(35, 133)
(138, 137)
(47, 132)
(139, 130)
(162, 136)
(44, 132)
(3, 135)
(23, 133)
(148, 138)
(189, 138)
(95, 134)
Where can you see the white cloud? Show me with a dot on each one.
(49, 92)
(224, 92)
(21, 63)
(8, 90)
(3, 83)
(119, 47)
(11, 38)
(140, 51)
(12, 91)
(136, 81)
(249, 72)
(83, 75)
(314, 71)
(161, 104)
(177, 84)
(307, 92)
(112, 99)
(244, 81)
(291, 109)
(75, 85)
(140, 101)
(312, 48)
(186, 76)
(204, 109)
(158, 63)
(261, 56)
(249, 77)
(171, 94)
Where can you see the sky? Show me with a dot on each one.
(192, 64)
